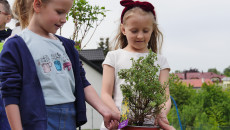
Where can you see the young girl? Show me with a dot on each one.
(5, 17)
(138, 33)
(42, 80)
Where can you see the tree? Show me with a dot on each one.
(144, 92)
(227, 71)
(180, 92)
(85, 17)
(213, 70)
(207, 108)
(201, 121)
(104, 45)
(216, 104)
(177, 71)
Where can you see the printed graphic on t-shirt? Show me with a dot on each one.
(56, 58)
(66, 62)
(45, 63)
(55, 62)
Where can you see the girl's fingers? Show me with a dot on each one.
(164, 125)
(165, 120)
(113, 124)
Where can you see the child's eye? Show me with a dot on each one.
(59, 12)
(134, 31)
(146, 31)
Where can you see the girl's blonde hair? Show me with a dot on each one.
(156, 39)
(23, 11)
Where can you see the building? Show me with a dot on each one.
(199, 75)
(226, 82)
(93, 57)
(196, 78)
(196, 83)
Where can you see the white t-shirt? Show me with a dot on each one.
(16, 30)
(120, 59)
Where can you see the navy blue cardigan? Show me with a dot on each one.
(20, 84)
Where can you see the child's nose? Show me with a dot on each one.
(63, 19)
(140, 35)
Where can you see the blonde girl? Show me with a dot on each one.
(138, 33)
(42, 80)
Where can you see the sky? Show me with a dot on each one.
(196, 32)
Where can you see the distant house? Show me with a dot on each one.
(199, 75)
(197, 83)
(92, 60)
(226, 82)
(197, 78)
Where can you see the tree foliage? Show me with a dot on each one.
(104, 45)
(85, 17)
(142, 89)
(179, 91)
(227, 71)
(214, 70)
(207, 108)
(178, 71)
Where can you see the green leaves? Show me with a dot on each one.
(207, 108)
(85, 17)
(227, 71)
(142, 88)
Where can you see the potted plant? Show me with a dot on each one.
(144, 95)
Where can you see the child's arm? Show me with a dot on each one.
(164, 76)
(110, 118)
(14, 117)
(162, 120)
(11, 80)
(107, 87)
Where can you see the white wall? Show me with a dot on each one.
(93, 117)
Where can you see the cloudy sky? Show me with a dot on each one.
(196, 32)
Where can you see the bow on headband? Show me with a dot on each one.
(129, 4)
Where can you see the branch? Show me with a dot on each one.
(93, 33)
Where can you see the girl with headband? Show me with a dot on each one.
(138, 33)
(43, 82)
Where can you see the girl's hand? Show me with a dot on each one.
(111, 120)
(113, 125)
(163, 122)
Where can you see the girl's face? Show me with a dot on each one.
(52, 15)
(138, 29)
(4, 18)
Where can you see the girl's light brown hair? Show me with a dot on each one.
(156, 39)
(22, 10)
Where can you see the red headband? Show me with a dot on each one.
(129, 4)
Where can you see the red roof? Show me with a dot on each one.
(199, 75)
(196, 83)
(180, 75)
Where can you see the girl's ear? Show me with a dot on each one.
(37, 4)
(8, 19)
(122, 29)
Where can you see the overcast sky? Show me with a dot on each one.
(196, 32)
